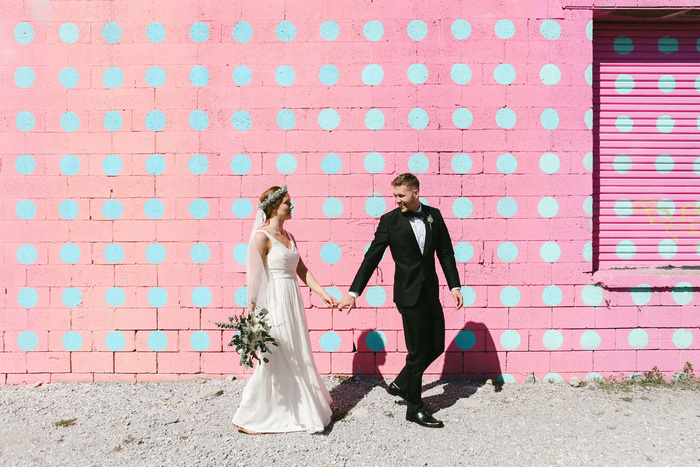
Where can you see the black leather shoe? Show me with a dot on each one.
(424, 419)
(395, 391)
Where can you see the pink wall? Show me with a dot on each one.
(131, 160)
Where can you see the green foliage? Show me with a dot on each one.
(64, 423)
(685, 379)
(253, 336)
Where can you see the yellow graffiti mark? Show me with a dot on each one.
(687, 222)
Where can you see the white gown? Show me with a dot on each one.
(287, 393)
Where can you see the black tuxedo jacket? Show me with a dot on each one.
(412, 268)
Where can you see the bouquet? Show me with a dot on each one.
(253, 336)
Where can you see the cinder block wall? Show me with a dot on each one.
(137, 137)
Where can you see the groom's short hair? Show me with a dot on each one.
(408, 179)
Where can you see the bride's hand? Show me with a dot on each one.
(328, 300)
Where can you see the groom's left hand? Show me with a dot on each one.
(458, 299)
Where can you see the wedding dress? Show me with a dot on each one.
(286, 393)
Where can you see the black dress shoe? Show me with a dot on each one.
(424, 419)
(395, 391)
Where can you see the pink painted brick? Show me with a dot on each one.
(180, 362)
(92, 362)
(485, 363)
(615, 361)
(135, 362)
(141, 341)
(360, 339)
(523, 363)
(537, 340)
(215, 342)
(135, 318)
(13, 362)
(223, 363)
(578, 361)
(665, 360)
(323, 362)
(115, 377)
(49, 362)
(358, 318)
(72, 377)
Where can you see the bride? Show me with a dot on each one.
(287, 393)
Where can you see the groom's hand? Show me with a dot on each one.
(458, 299)
(348, 301)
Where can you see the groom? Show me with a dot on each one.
(415, 233)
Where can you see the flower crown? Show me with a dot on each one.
(273, 197)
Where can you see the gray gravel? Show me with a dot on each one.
(187, 423)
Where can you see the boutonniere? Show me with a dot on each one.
(429, 218)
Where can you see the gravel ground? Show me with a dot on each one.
(186, 423)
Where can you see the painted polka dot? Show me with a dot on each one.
(332, 207)
(200, 341)
(549, 119)
(375, 206)
(374, 119)
(373, 30)
(112, 121)
(506, 163)
(504, 29)
(549, 163)
(155, 76)
(587, 251)
(286, 31)
(417, 73)
(372, 74)
(70, 253)
(666, 83)
(506, 378)
(461, 163)
(25, 121)
(507, 207)
(682, 338)
(624, 124)
(330, 30)
(624, 84)
(69, 33)
(112, 165)
(330, 341)
(665, 207)
(460, 73)
(328, 119)
(331, 163)
(510, 296)
(286, 119)
(199, 76)
(590, 340)
(668, 249)
(198, 164)
(588, 161)
(461, 29)
(329, 75)
(199, 32)
(462, 118)
(111, 32)
(115, 297)
(417, 30)
(27, 298)
(552, 295)
(550, 252)
(68, 209)
(469, 295)
(286, 164)
(376, 341)
(285, 75)
(623, 45)
(550, 74)
(588, 75)
(155, 120)
(157, 297)
(589, 30)
(683, 293)
(242, 208)
(25, 209)
(376, 296)
(418, 118)
(112, 209)
(418, 163)
(199, 120)
(24, 33)
(668, 45)
(623, 208)
(24, 77)
(27, 254)
(588, 205)
(553, 378)
(641, 295)
(242, 121)
(199, 208)
(622, 164)
(240, 253)
(200, 253)
(114, 253)
(507, 252)
(592, 295)
(550, 29)
(155, 164)
(155, 32)
(462, 207)
(464, 252)
(154, 208)
(72, 297)
(510, 339)
(638, 338)
(241, 164)
(155, 253)
(112, 78)
(115, 341)
(70, 122)
(241, 296)
(201, 297)
(330, 253)
(157, 341)
(506, 118)
(27, 341)
(242, 75)
(25, 164)
(69, 165)
(553, 339)
(72, 341)
(242, 32)
(504, 74)
(665, 124)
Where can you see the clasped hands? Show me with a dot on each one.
(348, 301)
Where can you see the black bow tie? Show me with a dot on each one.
(412, 214)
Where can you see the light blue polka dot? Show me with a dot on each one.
(376, 341)
(330, 253)
(112, 165)
(624, 124)
(114, 253)
(199, 32)
(112, 78)
(668, 45)
(461, 29)
(25, 121)
(550, 29)
(549, 118)
(155, 253)
(588, 161)
(461, 73)
(285, 75)
(664, 164)
(330, 30)
(550, 74)
(552, 295)
(72, 297)
(27, 341)
(374, 119)
(590, 340)
(507, 207)
(155, 76)
(588, 75)
(328, 119)
(72, 341)
(507, 252)
(461, 163)
(242, 121)
(286, 31)
(112, 209)
(550, 252)
(462, 208)
(25, 209)
(26, 254)
(668, 248)
(588, 205)
(372, 74)
(334, 292)
(464, 252)
(417, 30)
(157, 341)
(329, 75)
(240, 253)
(504, 74)
(641, 295)
(155, 164)
(549, 163)
(462, 118)
(115, 341)
(373, 30)
(68, 209)
(330, 341)
(332, 207)
(201, 297)
(553, 378)
(24, 33)
(200, 341)
(198, 164)
(25, 164)
(682, 338)
(626, 249)
(241, 164)
(553, 339)
(624, 84)
(376, 296)
(27, 298)
(507, 163)
(70, 122)
(331, 164)
(589, 30)
(623, 45)
(469, 295)
(286, 119)
(157, 297)
(242, 32)
(374, 162)
(115, 297)
(506, 118)
(242, 75)
(548, 207)
(638, 338)
(417, 73)
(592, 295)
(510, 339)
(505, 29)
(154, 208)
(70, 253)
(199, 208)
(683, 293)
(665, 207)
(199, 120)
(69, 33)
(622, 164)
(666, 83)
(200, 253)
(588, 119)
(155, 32)
(665, 124)
(286, 164)
(375, 206)
(199, 76)
(155, 120)
(510, 296)
(418, 163)
(112, 121)
(465, 339)
(506, 378)
(587, 252)
(242, 208)
(24, 77)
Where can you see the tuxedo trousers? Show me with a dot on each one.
(424, 331)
